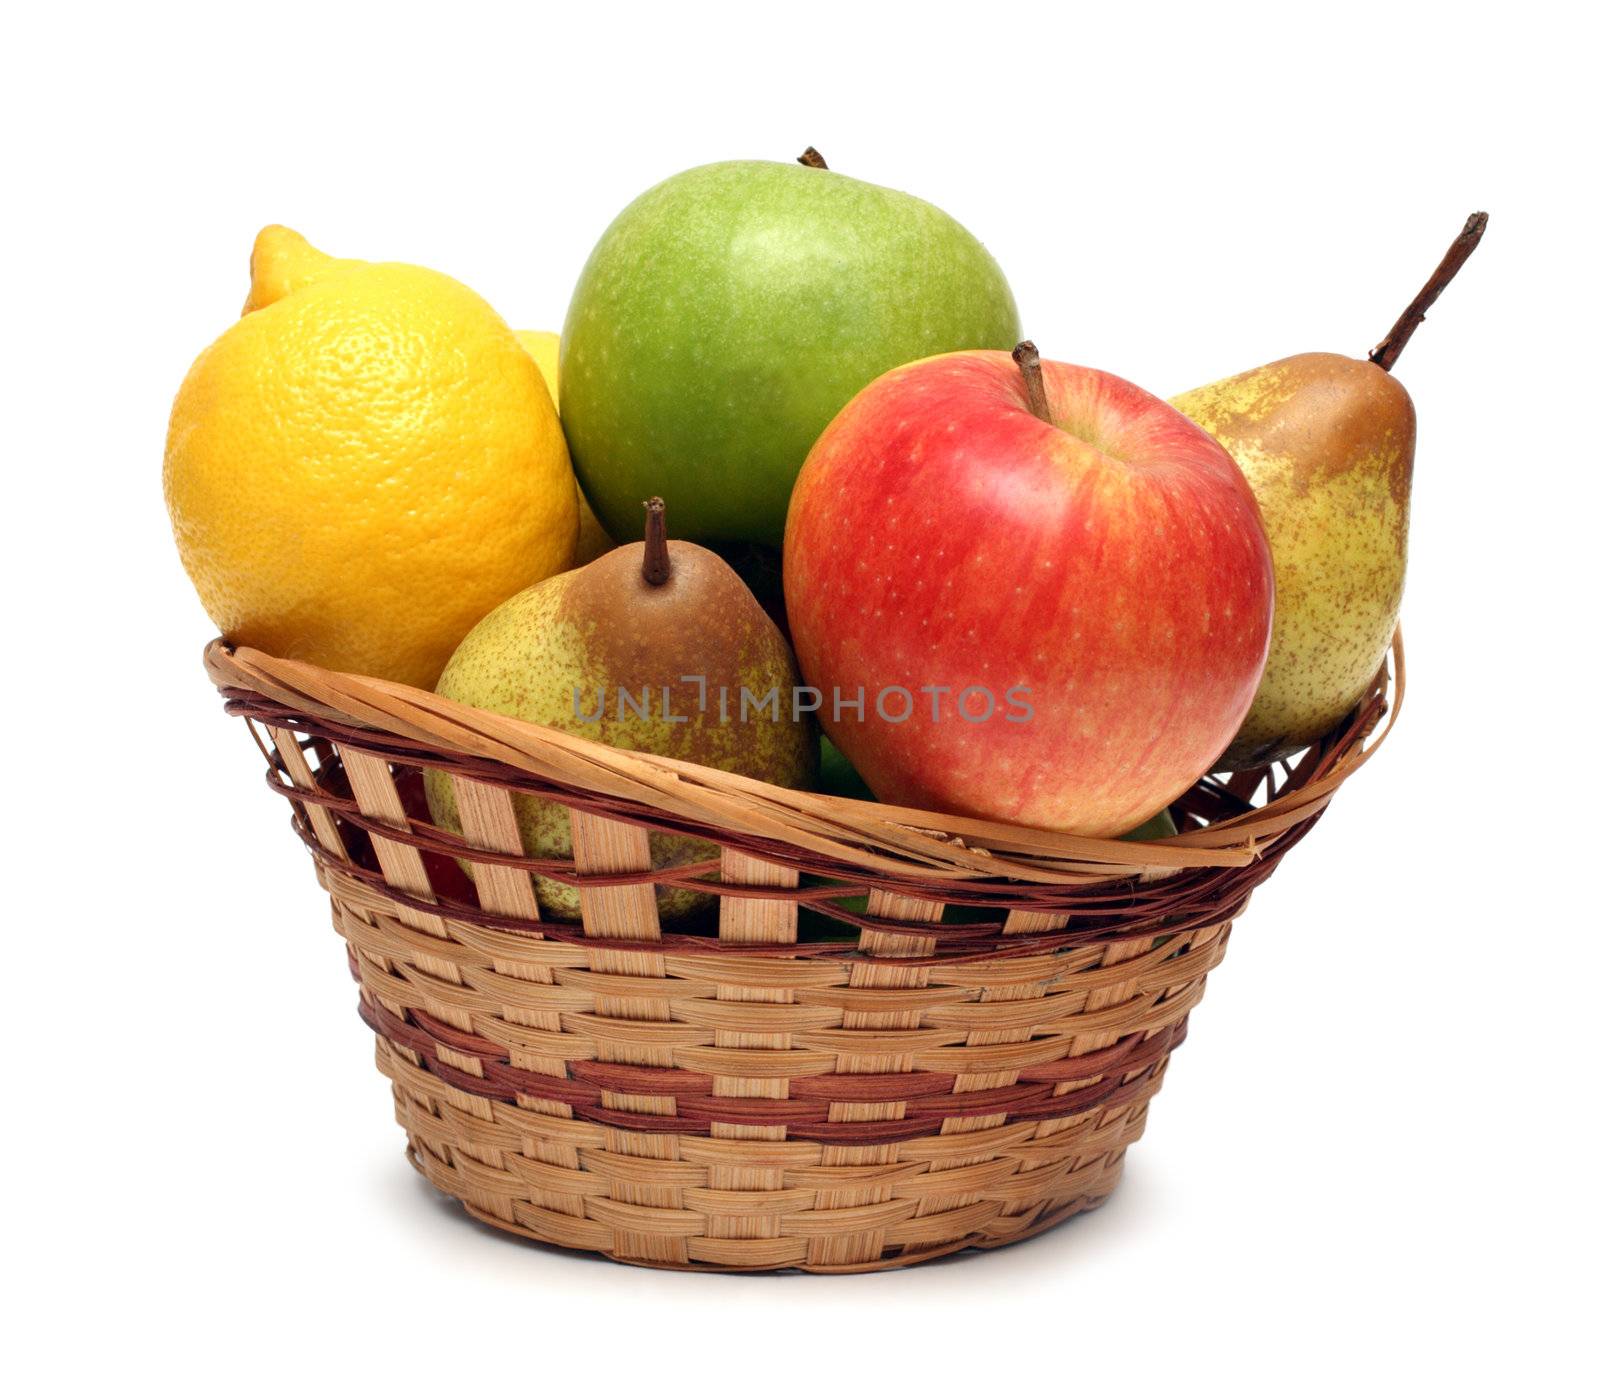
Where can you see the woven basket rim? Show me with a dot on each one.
(890, 839)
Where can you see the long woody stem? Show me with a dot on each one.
(1387, 350)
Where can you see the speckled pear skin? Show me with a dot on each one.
(603, 625)
(1327, 444)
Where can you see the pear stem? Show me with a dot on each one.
(812, 158)
(1388, 349)
(1026, 356)
(657, 567)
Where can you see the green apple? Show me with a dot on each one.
(1161, 826)
(728, 314)
(838, 778)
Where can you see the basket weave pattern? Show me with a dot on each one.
(795, 1082)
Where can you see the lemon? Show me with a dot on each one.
(364, 465)
(545, 347)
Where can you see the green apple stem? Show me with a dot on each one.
(812, 157)
(1026, 356)
(1388, 349)
(657, 567)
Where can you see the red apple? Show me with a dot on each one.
(1082, 588)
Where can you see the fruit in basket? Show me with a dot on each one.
(1052, 590)
(760, 568)
(363, 465)
(653, 648)
(545, 347)
(727, 314)
(1326, 443)
(1158, 827)
(837, 777)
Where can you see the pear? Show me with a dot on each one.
(1326, 443)
(652, 647)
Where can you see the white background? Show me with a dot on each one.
(1370, 1171)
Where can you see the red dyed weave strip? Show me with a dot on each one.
(804, 1115)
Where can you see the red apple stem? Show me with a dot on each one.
(812, 157)
(1388, 349)
(1026, 356)
(657, 567)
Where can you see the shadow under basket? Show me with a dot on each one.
(889, 1035)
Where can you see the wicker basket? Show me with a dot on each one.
(797, 1084)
